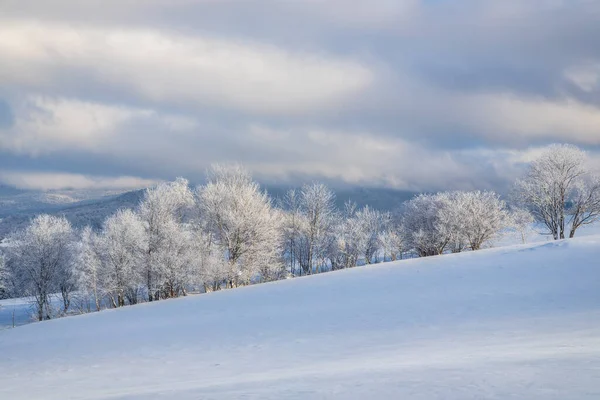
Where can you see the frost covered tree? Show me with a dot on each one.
(559, 191)
(176, 258)
(318, 209)
(422, 224)
(521, 221)
(393, 243)
(355, 234)
(349, 239)
(371, 223)
(454, 221)
(243, 225)
(89, 267)
(474, 218)
(3, 277)
(40, 261)
(292, 226)
(120, 247)
(584, 206)
(163, 209)
(211, 266)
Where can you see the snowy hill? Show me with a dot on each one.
(520, 323)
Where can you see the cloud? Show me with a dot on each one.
(586, 77)
(370, 159)
(45, 125)
(372, 15)
(168, 68)
(412, 94)
(506, 118)
(58, 181)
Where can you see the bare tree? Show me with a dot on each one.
(584, 207)
(559, 191)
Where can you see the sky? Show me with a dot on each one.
(416, 95)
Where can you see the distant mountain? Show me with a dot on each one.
(10, 191)
(90, 211)
(82, 208)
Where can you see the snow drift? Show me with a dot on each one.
(520, 323)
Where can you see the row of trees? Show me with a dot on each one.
(228, 233)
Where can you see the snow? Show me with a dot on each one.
(20, 308)
(521, 322)
(23, 310)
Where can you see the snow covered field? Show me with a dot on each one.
(508, 323)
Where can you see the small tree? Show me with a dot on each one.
(521, 220)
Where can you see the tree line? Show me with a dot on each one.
(228, 233)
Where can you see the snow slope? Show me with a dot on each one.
(507, 323)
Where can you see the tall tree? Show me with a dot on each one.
(3, 277)
(121, 249)
(317, 206)
(89, 266)
(243, 223)
(40, 261)
(371, 223)
(559, 191)
(293, 221)
(162, 210)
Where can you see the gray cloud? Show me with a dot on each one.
(417, 95)
(7, 118)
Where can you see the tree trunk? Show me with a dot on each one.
(572, 233)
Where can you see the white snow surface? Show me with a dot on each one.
(510, 323)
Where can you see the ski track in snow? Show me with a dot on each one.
(509, 323)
